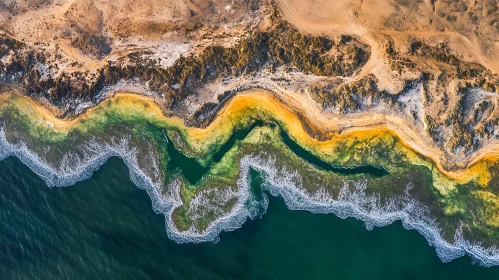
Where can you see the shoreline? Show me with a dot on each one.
(355, 204)
(280, 182)
(339, 127)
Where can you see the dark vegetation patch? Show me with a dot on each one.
(90, 44)
(349, 97)
(443, 53)
(8, 44)
(13, 8)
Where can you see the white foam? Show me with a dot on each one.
(351, 202)
(358, 205)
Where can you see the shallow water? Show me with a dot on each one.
(105, 228)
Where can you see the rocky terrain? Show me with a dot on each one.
(432, 63)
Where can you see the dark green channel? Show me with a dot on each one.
(317, 162)
(193, 171)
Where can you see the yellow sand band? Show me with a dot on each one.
(265, 102)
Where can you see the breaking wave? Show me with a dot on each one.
(352, 200)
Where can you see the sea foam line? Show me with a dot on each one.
(279, 182)
(359, 205)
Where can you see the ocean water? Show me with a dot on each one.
(105, 228)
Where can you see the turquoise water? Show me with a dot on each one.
(105, 228)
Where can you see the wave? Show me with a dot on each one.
(352, 200)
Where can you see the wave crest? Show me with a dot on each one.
(352, 200)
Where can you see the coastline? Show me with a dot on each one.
(339, 127)
(281, 181)
(378, 111)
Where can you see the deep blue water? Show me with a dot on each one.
(105, 228)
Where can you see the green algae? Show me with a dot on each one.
(214, 167)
